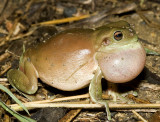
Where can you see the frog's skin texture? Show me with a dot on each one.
(73, 58)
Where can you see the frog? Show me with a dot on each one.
(79, 57)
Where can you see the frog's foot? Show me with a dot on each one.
(121, 97)
(117, 96)
(24, 79)
(21, 82)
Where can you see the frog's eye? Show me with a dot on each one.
(118, 35)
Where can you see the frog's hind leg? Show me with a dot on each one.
(95, 91)
(24, 81)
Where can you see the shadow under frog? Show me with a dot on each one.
(75, 58)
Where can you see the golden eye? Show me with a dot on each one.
(118, 35)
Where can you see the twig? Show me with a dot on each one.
(17, 37)
(6, 116)
(6, 68)
(85, 106)
(4, 56)
(12, 54)
(11, 31)
(139, 116)
(23, 35)
(138, 110)
(4, 7)
(47, 103)
(58, 99)
(3, 79)
(70, 115)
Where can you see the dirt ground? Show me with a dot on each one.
(26, 23)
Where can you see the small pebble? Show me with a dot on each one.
(69, 11)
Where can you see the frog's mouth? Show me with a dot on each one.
(122, 63)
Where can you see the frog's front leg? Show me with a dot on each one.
(95, 91)
(25, 81)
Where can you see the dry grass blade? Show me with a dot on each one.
(60, 21)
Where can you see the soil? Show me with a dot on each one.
(20, 25)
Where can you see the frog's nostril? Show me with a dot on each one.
(106, 41)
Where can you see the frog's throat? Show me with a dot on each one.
(121, 62)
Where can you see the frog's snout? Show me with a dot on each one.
(123, 64)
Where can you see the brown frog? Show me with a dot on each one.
(75, 58)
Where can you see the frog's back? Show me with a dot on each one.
(65, 61)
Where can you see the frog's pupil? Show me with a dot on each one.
(118, 35)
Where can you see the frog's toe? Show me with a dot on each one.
(121, 97)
